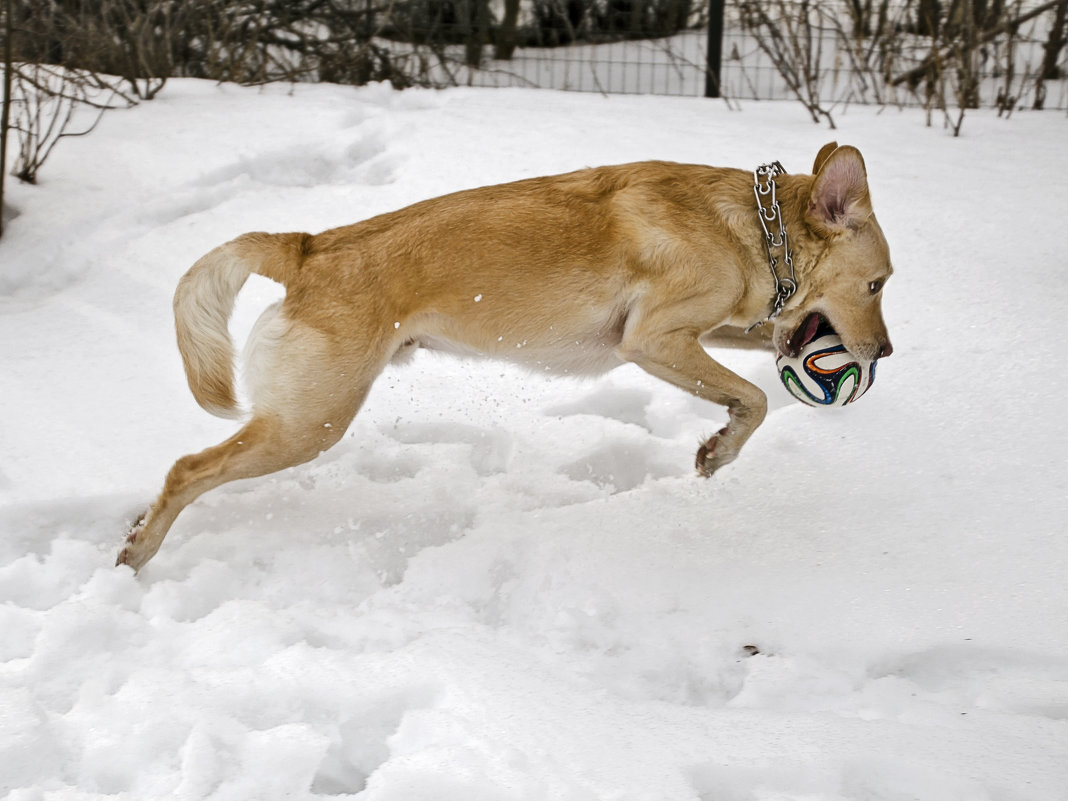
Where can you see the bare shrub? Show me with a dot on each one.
(831, 52)
(791, 35)
(49, 103)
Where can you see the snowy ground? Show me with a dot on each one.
(509, 588)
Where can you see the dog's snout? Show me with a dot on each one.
(887, 349)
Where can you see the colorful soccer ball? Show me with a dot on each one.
(824, 373)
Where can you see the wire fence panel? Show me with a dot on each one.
(766, 51)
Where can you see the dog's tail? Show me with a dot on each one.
(203, 303)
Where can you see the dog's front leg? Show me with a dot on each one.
(678, 358)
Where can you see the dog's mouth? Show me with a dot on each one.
(804, 333)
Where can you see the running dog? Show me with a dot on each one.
(574, 273)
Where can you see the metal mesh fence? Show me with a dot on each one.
(839, 69)
(936, 53)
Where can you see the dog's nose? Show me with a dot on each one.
(887, 350)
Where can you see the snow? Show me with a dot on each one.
(505, 587)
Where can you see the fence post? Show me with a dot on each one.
(715, 48)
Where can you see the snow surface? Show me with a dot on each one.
(501, 587)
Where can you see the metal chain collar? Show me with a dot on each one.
(776, 242)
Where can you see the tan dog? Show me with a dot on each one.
(575, 273)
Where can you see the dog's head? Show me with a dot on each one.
(844, 283)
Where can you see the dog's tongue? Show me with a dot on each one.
(809, 329)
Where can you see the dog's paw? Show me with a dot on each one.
(133, 553)
(714, 453)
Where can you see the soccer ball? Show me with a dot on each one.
(824, 373)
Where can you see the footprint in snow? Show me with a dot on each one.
(616, 403)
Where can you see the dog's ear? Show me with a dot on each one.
(839, 199)
(823, 155)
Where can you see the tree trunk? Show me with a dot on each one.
(506, 33)
(477, 26)
(1058, 34)
(5, 114)
(928, 18)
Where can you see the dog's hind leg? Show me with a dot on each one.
(315, 391)
(260, 447)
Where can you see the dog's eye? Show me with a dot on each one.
(875, 286)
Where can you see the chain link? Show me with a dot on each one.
(776, 241)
